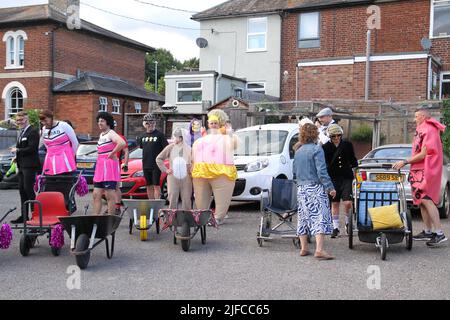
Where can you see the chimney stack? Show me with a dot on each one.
(62, 5)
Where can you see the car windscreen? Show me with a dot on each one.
(260, 142)
(87, 150)
(136, 154)
(389, 153)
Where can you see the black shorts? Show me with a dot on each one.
(109, 185)
(152, 176)
(343, 189)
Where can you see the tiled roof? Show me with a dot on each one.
(94, 82)
(249, 7)
(38, 13)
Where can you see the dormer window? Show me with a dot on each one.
(15, 49)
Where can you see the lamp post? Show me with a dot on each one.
(156, 76)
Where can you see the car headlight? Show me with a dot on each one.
(257, 165)
(138, 174)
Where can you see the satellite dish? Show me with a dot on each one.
(201, 42)
(426, 44)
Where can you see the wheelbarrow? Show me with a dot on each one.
(143, 214)
(189, 222)
(83, 232)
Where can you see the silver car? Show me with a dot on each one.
(391, 153)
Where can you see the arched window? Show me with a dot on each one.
(21, 47)
(15, 101)
(15, 49)
(11, 51)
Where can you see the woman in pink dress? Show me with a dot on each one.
(61, 143)
(107, 169)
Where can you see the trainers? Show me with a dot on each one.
(335, 233)
(436, 239)
(423, 236)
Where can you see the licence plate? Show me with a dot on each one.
(85, 165)
(386, 177)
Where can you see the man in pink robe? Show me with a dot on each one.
(425, 175)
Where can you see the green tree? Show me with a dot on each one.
(191, 64)
(446, 134)
(166, 62)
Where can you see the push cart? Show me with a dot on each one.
(186, 223)
(143, 214)
(83, 232)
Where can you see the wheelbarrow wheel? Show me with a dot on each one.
(350, 230)
(130, 226)
(143, 226)
(157, 225)
(383, 246)
(203, 234)
(185, 232)
(81, 245)
(25, 245)
(409, 236)
(56, 251)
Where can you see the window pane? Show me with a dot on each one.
(12, 52)
(16, 101)
(252, 86)
(446, 90)
(257, 42)
(309, 26)
(441, 20)
(446, 77)
(189, 85)
(189, 96)
(257, 25)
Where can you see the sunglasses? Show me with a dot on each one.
(336, 135)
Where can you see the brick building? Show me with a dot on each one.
(323, 45)
(74, 72)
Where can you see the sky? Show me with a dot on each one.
(180, 42)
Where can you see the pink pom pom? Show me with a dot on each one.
(82, 187)
(5, 236)
(38, 183)
(57, 237)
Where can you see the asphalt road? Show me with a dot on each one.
(229, 266)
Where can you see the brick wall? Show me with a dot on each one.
(37, 90)
(343, 34)
(82, 109)
(79, 50)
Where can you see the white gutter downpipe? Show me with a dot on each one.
(219, 70)
(430, 79)
(367, 86)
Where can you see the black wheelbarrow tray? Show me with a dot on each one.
(186, 223)
(83, 232)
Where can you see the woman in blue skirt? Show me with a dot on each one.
(314, 185)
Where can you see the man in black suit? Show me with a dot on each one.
(27, 159)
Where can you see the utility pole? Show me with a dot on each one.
(156, 76)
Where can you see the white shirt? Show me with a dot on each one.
(323, 137)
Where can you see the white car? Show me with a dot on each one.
(264, 152)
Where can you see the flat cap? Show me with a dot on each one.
(324, 112)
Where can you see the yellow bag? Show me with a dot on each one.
(385, 217)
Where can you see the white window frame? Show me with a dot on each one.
(137, 107)
(446, 73)
(256, 90)
(249, 20)
(102, 104)
(189, 89)
(432, 4)
(115, 106)
(15, 36)
(6, 95)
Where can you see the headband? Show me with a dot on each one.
(213, 118)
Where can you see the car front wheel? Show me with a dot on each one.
(444, 210)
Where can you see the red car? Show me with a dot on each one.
(133, 181)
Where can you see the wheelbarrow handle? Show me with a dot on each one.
(7, 213)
